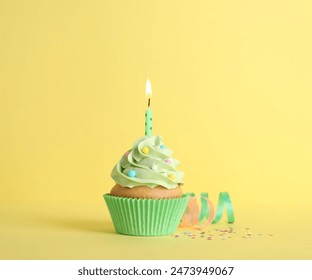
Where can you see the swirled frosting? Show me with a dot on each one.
(148, 163)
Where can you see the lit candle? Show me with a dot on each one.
(148, 112)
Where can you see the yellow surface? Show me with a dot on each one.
(231, 96)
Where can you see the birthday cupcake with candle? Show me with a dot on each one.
(147, 199)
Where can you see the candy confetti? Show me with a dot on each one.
(223, 234)
(196, 220)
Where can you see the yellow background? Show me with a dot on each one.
(231, 96)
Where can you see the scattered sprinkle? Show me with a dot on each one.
(221, 234)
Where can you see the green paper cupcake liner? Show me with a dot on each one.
(146, 217)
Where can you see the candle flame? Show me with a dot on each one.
(148, 90)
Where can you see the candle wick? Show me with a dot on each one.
(149, 103)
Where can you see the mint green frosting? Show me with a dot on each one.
(151, 168)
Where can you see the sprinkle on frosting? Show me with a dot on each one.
(171, 176)
(154, 167)
(131, 173)
(127, 153)
(145, 150)
(150, 168)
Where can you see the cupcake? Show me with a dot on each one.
(147, 199)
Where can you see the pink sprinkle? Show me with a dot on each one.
(168, 161)
(127, 153)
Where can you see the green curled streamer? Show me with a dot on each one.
(190, 194)
(205, 211)
(193, 215)
(224, 200)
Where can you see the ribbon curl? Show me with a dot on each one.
(192, 217)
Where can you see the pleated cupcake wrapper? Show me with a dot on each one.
(146, 217)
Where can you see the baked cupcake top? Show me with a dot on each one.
(148, 163)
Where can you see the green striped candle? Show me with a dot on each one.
(148, 112)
